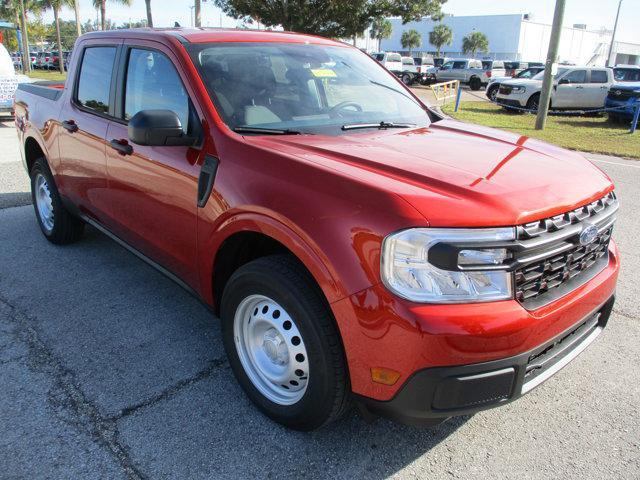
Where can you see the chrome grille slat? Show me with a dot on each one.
(551, 261)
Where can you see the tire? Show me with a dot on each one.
(534, 102)
(475, 84)
(273, 302)
(492, 93)
(57, 224)
(406, 79)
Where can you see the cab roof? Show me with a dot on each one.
(211, 35)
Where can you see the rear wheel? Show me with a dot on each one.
(283, 345)
(475, 84)
(56, 223)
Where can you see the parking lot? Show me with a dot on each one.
(109, 370)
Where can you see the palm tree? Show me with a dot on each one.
(411, 39)
(19, 9)
(56, 5)
(102, 5)
(149, 16)
(381, 28)
(76, 8)
(441, 35)
(197, 16)
(474, 42)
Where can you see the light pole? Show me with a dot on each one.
(549, 67)
(613, 36)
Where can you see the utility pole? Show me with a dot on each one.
(76, 7)
(613, 36)
(550, 65)
(197, 15)
(26, 63)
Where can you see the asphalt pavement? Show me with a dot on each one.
(109, 370)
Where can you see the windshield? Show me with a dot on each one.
(561, 71)
(626, 74)
(302, 88)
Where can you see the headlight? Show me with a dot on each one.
(441, 265)
(518, 89)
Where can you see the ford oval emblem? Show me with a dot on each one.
(617, 93)
(589, 234)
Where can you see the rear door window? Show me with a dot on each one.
(599, 76)
(94, 82)
(577, 76)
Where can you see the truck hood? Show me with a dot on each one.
(524, 82)
(457, 174)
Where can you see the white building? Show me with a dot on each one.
(518, 37)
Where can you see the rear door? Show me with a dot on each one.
(83, 128)
(570, 91)
(597, 88)
(153, 190)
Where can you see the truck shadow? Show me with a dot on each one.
(149, 358)
(14, 199)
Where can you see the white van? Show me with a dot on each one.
(8, 81)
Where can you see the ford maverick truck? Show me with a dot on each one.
(359, 248)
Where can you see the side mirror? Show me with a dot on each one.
(158, 128)
(564, 81)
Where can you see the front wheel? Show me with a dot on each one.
(406, 79)
(283, 345)
(534, 102)
(493, 93)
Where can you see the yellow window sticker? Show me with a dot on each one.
(323, 73)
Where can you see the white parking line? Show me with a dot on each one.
(615, 163)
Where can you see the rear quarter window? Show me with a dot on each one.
(599, 76)
(394, 57)
(94, 81)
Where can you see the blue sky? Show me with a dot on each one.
(595, 13)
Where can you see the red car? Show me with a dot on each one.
(358, 247)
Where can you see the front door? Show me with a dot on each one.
(153, 190)
(570, 91)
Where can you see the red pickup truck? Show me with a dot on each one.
(358, 247)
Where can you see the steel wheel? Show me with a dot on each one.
(271, 350)
(44, 203)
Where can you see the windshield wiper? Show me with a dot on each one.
(267, 131)
(381, 125)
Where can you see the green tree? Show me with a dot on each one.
(475, 42)
(381, 28)
(102, 5)
(56, 5)
(440, 36)
(14, 9)
(411, 39)
(329, 18)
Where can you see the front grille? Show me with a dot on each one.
(616, 94)
(544, 276)
(505, 89)
(552, 261)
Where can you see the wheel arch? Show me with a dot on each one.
(253, 236)
(32, 151)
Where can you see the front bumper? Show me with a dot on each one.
(624, 108)
(510, 102)
(434, 394)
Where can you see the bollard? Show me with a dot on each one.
(636, 114)
(458, 95)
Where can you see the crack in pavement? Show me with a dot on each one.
(628, 316)
(71, 404)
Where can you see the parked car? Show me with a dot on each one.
(390, 60)
(16, 59)
(55, 60)
(475, 73)
(492, 68)
(426, 68)
(513, 68)
(356, 245)
(43, 60)
(467, 70)
(8, 81)
(409, 74)
(625, 97)
(626, 73)
(494, 83)
(574, 88)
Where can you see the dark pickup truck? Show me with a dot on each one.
(358, 247)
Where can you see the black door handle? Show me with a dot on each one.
(122, 146)
(70, 126)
